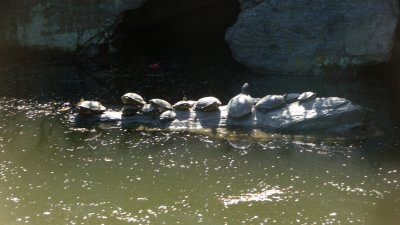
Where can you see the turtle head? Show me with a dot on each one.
(64, 107)
(245, 88)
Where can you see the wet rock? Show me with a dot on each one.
(311, 37)
(333, 115)
(328, 114)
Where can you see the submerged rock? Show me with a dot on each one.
(335, 115)
(304, 37)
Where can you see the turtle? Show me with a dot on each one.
(256, 100)
(207, 104)
(167, 116)
(161, 105)
(149, 109)
(129, 110)
(133, 99)
(184, 104)
(307, 96)
(90, 108)
(64, 107)
(291, 97)
(240, 105)
(270, 102)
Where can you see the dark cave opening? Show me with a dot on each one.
(172, 48)
(176, 26)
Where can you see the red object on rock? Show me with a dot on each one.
(154, 66)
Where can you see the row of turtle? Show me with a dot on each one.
(238, 107)
(242, 104)
(134, 103)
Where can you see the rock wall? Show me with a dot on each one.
(69, 23)
(291, 37)
(57, 24)
(310, 36)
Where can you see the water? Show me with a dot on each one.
(52, 172)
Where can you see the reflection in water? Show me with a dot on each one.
(268, 195)
(52, 173)
(239, 144)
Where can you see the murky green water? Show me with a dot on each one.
(54, 173)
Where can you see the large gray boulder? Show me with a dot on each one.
(308, 37)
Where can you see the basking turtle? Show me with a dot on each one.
(149, 109)
(270, 102)
(240, 105)
(161, 105)
(256, 100)
(90, 108)
(167, 116)
(185, 104)
(129, 110)
(207, 104)
(307, 96)
(133, 99)
(65, 107)
(291, 97)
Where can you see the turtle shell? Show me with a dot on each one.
(65, 107)
(129, 110)
(183, 105)
(149, 109)
(161, 104)
(207, 104)
(307, 96)
(256, 100)
(192, 102)
(90, 108)
(240, 106)
(133, 99)
(270, 102)
(168, 115)
(291, 97)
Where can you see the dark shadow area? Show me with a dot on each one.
(390, 74)
(170, 49)
(377, 87)
(160, 27)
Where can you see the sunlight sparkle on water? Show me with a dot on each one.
(52, 172)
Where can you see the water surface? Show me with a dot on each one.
(52, 172)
